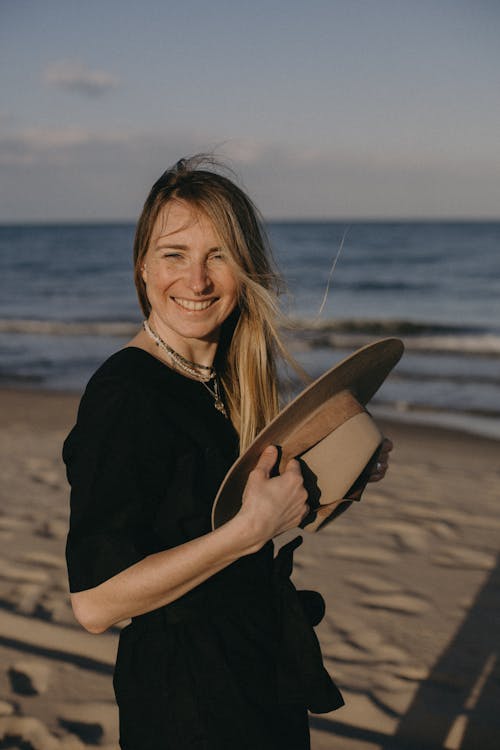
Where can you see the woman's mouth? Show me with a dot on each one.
(194, 305)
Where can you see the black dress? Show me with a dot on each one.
(234, 663)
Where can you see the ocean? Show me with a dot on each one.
(68, 301)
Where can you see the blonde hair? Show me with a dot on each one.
(250, 342)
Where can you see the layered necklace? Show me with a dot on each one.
(205, 374)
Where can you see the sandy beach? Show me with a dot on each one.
(411, 577)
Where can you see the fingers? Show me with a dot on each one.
(382, 463)
(385, 448)
(293, 467)
(267, 460)
(274, 504)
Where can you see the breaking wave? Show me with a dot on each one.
(69, 328)
(341, 334)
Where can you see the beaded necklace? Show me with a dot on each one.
(191, 368)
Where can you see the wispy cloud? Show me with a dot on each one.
(78, 78)
(53, 145)
(115, 169)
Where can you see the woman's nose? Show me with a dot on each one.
(198, 278)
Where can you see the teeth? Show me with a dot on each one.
(192, 305)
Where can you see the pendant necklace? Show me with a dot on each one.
(191, 368)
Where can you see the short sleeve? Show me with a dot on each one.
(102, 457)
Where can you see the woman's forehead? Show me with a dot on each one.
(177, 216)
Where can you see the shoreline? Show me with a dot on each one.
(21, 399)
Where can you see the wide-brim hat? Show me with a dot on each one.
(327, 428)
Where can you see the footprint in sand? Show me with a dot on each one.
(464, 558)
(368, 645)
(442, 530)
(59, 610)
(344, 652)
(367, 639)
(42, 471)
(14, 572)
(364, 646)
(10, 523)
(363, 554)
(92, 722)
(45, 559)
(453, 517)
(26, 596)
(29, 677)
(410, 538)
(54, 529)
(390, 654)
(6, 709)
(371, 584)
(377, 500)
(32, 733)
(403, 603)
(411, 673)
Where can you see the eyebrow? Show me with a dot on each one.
(169, 246)
(164, 245)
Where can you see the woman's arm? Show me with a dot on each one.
(270, 506)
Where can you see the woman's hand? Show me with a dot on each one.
(272, 505)
(382, 461)
(379, 465)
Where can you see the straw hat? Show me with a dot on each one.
(328, 429)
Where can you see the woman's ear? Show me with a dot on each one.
(144, 272)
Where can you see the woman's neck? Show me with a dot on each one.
(197, 351)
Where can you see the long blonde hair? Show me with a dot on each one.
(250, 343)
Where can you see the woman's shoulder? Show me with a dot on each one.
(117, 396)
(126, 366)
(125, 378)
(129, 370)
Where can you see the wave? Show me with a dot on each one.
(407, 406)
(448, 377)
(385, 326)
(487, 345)
(69, 328)
(419, 336)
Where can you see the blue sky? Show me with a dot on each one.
(369, 108)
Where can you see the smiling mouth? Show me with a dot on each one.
(193, 305)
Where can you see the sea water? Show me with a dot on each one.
(67, 302)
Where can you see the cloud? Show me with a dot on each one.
(39, 146)
(98, 174)
(76, 77)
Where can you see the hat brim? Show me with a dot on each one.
(311, 416)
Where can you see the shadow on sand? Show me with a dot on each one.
(458, 706)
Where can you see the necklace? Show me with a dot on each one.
(191, 368)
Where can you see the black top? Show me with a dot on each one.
(211, 669)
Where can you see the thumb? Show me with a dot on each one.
(267, 459)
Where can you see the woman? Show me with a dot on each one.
(206, 662)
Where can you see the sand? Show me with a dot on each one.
(411, 577)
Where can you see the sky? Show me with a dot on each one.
(324, 109)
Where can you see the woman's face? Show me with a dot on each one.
(190, 284)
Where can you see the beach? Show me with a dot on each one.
(410, 575)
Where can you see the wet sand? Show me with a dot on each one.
(411, 576)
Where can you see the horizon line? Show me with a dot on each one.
(271, 220)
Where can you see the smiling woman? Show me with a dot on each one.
(190, 283)
(217, 216)
(203, 665)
